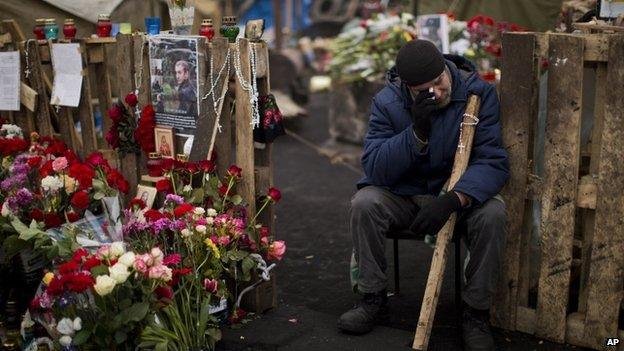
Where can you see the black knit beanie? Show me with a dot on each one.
(418, 62)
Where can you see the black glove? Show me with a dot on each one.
(422, 109)
(432, 217)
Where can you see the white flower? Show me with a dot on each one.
(212, 212)
(11, 131)
(104, 285)
(77, 324)
(157, 255)
(209, 220)
(127, 259)
(199, 211)
(65, 340)
(65, 326)
(117, 249)
(119, 272)
(186, 233)
(201, 228)
(6, 211)
(187, 188)
(51, 183)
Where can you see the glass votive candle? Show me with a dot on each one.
(39, 29)
(206, 29)
(69, 29)
(104, 26)
(125, 28)
(152, 25)
(51, 29)
(229, 29)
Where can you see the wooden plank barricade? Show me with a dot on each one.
(570, 288)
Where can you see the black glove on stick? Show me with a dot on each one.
(422, 109)
(432, 217)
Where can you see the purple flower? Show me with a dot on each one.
(6, 184)
(161, 224)
(175, 198)
(177, 225)
(20, 168)
(24, 197)
(133, 227)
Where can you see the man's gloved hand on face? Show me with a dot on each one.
(422, 109)
(432, 217)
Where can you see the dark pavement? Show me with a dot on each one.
(313, 281)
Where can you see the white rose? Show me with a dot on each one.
(117, 249)
(201, 228)
(127, 259)
(65, 340)
(119, 272)
(199, 211)
(51, 183)
(77, 323)
(209, 220)
(65, 326)
(212, 212)
(186, 233)
(104, 285)
(187, 188)
(158, 256)
(6, 211)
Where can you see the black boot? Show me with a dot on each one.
(362, 318)
(476, 330)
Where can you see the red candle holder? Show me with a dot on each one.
(104, 26)
(69, 29)
(206, 29)
(38, 30)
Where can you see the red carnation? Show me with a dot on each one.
(191, 167)
(56, 147)
(80, 200)
(131, 99)
(80, 282)
(167, 164)
(207, 166)
(172, 260)
(164, 292)
(137, 202)
(275, 194)
(56, 286)
(123, 185)
(34, 161)
(46, 169)
(115, 113)
(153, 215)
(235, 171)
(97, 159)
(72, 216)
(52, 220)
(79, 254)
(83, 173)
(90, 263)
(68, 267)
(112, 137)
(144, 132)
(36, 214)
(164, 185)
(183, 209)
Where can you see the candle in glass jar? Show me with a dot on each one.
(69, 29)
(104, 26)
(207, 30)
(51, 29)
(154, 164)
(229, 29)
(39, 29)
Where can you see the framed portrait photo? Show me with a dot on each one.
(610, 9)
(147, 194)
(164, 141)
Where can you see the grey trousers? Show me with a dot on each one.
(376, 211)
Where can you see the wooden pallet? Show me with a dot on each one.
(581, 266)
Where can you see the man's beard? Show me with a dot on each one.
(443, 103)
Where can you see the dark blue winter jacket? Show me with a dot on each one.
(395, 159)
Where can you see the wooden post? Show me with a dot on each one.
(244, 130)
(105, 92)
(278, 26)
(517, 115)
(561, 167)
(606, 276)
(211, 106)
(85, 109)
(443, 241)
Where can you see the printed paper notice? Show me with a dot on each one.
(9, 81)
(67, 63)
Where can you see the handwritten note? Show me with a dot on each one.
(67, 63)
(9, 81)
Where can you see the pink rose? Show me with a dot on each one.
(160, 272)
(59, 164)
(103, 252)
(276, 250)
(139, 265)
(264, 240)
(211, 285)
(223, 240)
